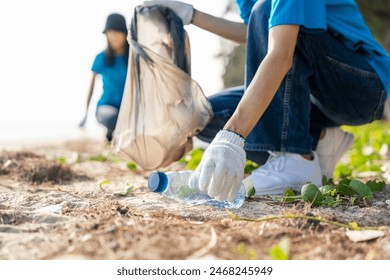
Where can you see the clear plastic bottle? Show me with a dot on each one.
(174, 185)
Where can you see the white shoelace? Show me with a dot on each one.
(275, 162)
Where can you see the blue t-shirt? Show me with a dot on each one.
(340, 17)
(113, 79)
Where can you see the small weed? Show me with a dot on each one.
(281, 251)
(101, 184)
(99, 158)
(245, 252)
(61, 160)
(345, 192)
(132, 166)
(250, 166)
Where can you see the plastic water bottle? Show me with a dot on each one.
(175, 185)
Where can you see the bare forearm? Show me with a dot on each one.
(235, 31)
(91, 88)
(258, 95)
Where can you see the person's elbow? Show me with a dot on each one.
(281, 59)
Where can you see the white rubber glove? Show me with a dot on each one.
(183, 10)
(221, 169)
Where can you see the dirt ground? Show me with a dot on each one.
(50, 210)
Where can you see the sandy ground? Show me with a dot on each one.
(58, 211)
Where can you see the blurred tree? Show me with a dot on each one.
(377, 16)
(233, 56)
(235, 66)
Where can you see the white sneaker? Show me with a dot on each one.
(283, 171)
(332, 148)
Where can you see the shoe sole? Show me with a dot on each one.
(296, 188)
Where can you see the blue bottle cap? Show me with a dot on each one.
(158, 182)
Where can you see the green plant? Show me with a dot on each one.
(281, 251)
(99, 158)
(102, 183)
(245, 252)
(250, 166)
(132, 166)
(61, 160)
(346, 192)
(369, 149)
(312, 194)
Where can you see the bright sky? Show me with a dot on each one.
(46, 53)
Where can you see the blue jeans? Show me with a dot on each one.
(328, 85)
(107, 115)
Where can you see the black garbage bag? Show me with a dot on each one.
(162, 107)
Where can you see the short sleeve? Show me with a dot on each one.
(98, 64)
(245, 7)
(309, 14)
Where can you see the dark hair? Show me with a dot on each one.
(110, 54)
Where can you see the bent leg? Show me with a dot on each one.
(107, 116)
(285, 125)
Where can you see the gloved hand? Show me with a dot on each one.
(83, 121)
(183, 10)
(221, 169)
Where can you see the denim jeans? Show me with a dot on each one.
(328, 85)
(107, 116)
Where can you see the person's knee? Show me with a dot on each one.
(226, 100)
(107, 115)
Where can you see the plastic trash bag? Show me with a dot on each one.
(162, 107)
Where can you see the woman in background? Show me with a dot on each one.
(111, 64)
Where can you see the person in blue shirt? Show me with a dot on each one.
(111, 64)
(311, 66)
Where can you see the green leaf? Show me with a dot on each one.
(132, 166)
(252, 254)
(251, 192)
(376, 186)
(326, 189)
(329, 201)
(240, 249)
(290, 196)
(343, 187)
(100, 158)
(289, 192)
(311, 193)
(105, 182)
(61, 160)
(281, 251)
(250, 166)
(354, 225)
(362, 189)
